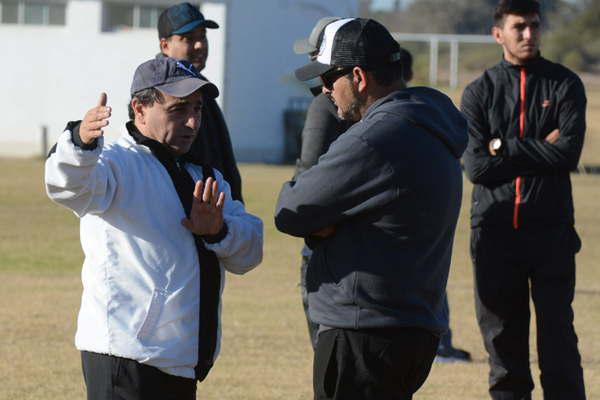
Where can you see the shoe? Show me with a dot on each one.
(452, 355)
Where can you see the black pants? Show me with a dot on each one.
(507, 263)
(382, 364)
(116, 378)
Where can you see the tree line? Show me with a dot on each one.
(571, 29)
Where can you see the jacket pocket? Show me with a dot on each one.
(153, 312)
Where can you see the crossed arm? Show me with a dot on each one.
(557, 152)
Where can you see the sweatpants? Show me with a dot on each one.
(510, 266)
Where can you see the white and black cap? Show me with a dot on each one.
(312, 42)
(352, 42)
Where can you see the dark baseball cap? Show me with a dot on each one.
(176, 78)
(312, 42)
(352, 42)
(182, 18)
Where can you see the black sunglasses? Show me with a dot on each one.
(329, 77)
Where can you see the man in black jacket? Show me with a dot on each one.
(379, 210)
(182, 34)
(527, 122)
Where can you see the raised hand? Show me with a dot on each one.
(206, 216)
(93, 122)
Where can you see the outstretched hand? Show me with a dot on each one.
(94, 120)
(206, 216)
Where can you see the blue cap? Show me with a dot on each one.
(182, 18)
(176, 78)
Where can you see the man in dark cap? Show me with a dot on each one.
(379, 210)
(157, 234)
(526, 128)
(182, 35)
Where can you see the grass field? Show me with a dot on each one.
(265, 350)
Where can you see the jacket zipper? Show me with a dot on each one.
(518, 182)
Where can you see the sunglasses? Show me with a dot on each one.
(329, 77)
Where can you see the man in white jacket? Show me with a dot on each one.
(157, 234)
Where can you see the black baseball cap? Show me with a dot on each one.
(182, 18)
(177, 78)
(352, 42)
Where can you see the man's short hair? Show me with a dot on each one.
(406, 63)
(515, 7)
(147, 98)
(388, 74)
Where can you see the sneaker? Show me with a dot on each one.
(452, 355)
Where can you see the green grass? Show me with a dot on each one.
(265, 350)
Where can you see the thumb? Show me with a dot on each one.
(102, 99)
(187, 224)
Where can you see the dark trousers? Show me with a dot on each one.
(446, 339)
(507, 263)
(116, 378)
(381, 364)
(312, 327)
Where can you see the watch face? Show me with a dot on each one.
(496, 143)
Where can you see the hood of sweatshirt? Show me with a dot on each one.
(429, 109)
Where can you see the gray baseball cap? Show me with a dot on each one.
(176, 78)
(311, 44)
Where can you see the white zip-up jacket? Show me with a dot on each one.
(140, 275)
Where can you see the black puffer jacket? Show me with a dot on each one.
(528, 183)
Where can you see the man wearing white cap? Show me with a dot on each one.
(379, 210)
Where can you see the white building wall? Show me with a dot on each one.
(50, 75)
(260, 62)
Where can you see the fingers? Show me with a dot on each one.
(198, 190)
(102, 99)
(206, 194)
(94, 120)
(187, 224)
(221, 200)
(215, 192)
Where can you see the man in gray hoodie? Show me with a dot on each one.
(379, 211)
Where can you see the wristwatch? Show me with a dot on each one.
(496, 145)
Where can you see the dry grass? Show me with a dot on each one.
(265, 353)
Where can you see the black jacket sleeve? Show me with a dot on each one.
(349, 180)
(230, 169)
(539, 156)
(480, 166)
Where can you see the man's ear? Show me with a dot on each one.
(138, 111)
(497, 34)
(164, 46)
(360, 78)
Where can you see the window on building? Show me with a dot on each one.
(32, 13)
(121, 15)
(10, 12)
